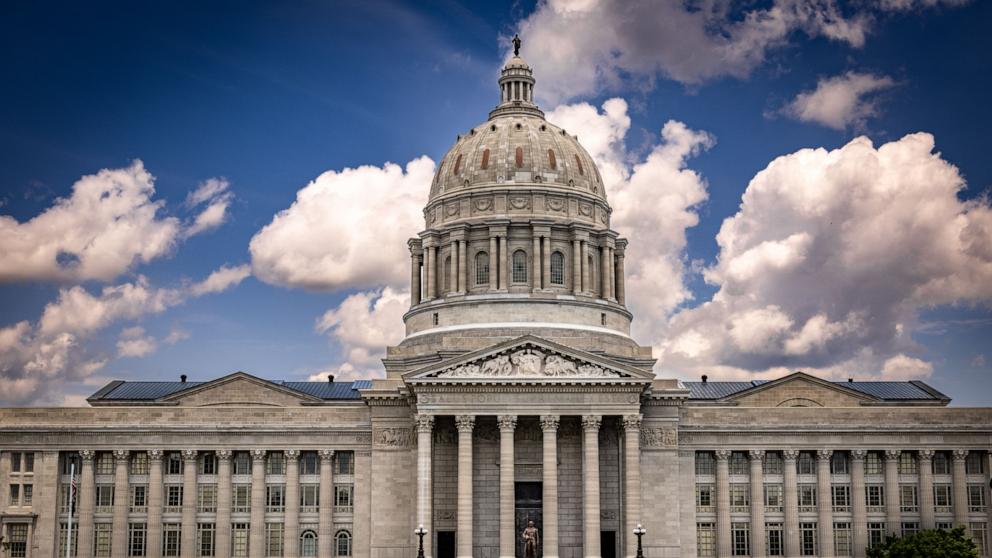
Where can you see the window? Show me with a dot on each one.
(64, 499)
(309, 498)
(578, 164)
(239, 540)
(704, 497)
(873, 463)
(875, 497)
(275, 464)
(274, 535)
(481, 269)
(309, 463)
(876, 534)
(101, 539)
(275, 498)
(28, 496)
(943, 498)
(838, 463)
(70, 460)
(174, 463)
(104, 498)
(705, 539)
(138, 498)
(945, 525)
(485, 159)
(740, 535)
(29, 462)
(458, 163)
(343, 497)
(241, 498)
(104, 464)
(206, 498)
(806, 464)
(773, 497)
(171, 539)
(705, 464)
(344, 462)
(738, 463)
(557, 268)
(15, 495)
(206, 539)
(552, 162)
(842, 539)
(773, 538)
(908, 464)
(907, 498)
(807, 539)
(241, 464)
(740, 497)
(15, 462)
(139, 463)
(519, 266)
(773, 463)
(910, 528)
(941, 464)
(18, 534)
(807, 498)
(976, 497)
(208, 464)
(972, 463)
(137, 537)
(841, 497)
(173, 497)
(342, 543)
(519, 157)
(308, 543)
(979, 535)
(63, 534)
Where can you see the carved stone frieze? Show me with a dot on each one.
(528, 362)
(554, 203)
(659, 438)
(393, 437)
(585, 209)
(452, 209)
(483, 205)
(520, 202)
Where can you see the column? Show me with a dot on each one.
(859, 513)
(790, 485)
(414, 279)
(621, 289)
(757, 503)
(493, 263)
(632, 482)
(325, 546)
(86, 499)
(590, 485)
(462, 267)
(724, 546)
(188, 537)
(223, 526)
(504, 259)
(549, 497)
(507, 536)
(824, 502)
(927, 520)
(892, 514)
(430, 271)
(256, 536)
(453, 272)
(463, 525)
(536, 263)
(119, 537)
(960, 487)
(425, 479)
(292, 502)
(576, 266)
(587, 285)
(546, 262)
(611, 283)
(154, 547)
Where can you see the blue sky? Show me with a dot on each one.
(265, 98)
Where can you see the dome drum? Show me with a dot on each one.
(518, 204)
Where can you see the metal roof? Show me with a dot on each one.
(150, 391)
(887, 391)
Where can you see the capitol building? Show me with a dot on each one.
(517, 395)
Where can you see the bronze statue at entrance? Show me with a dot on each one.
(531, 539)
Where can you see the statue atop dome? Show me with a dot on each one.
(516, 44)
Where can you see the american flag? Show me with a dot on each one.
(72, 495)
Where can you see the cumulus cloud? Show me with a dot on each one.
(839, 102)
(346, 229)
(134, 343)
(363, 325)
(828, 262)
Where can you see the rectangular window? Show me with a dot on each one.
(773, 539)
(807, 497)
(873, 463)
(206, 498)
(344, 462)
(842, 539)
(171, 539)
(275, 498)
(907, 498)
(206, 539)
(64, 499)
(740, 535)
(241, 464)
(173, 498)
(519, 267)
(705, 464)
(910, 528)
(28, 497)
(838, 463)
(840, 495)
(104, 498)
(174, 463)
(104, 463)
(138, 500)
(15, 462)
(976, 497)
(704, 497)
(274, 534)
(972, 463)
(979, 534)
(15, 495)
(101, 539)
(875, 497)
(275, 463)
(807, 539)
(705, 539)
(343, 497)
(945, 525)
(137, 537)
(309, 498)
(876, 534)
(63, 534)
(18, 544)
(908, 464)
(241, 498)
(29, 462)
(773, 497)
(740, 497)
(943, 498)
(239, 540)
(139, 463)
(309, 463)
(941, 464)
(806, 464)
(773, 463)
(208, 464)
(738, 463)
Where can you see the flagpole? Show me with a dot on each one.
(72, 501)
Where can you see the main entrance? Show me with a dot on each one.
(528, 508)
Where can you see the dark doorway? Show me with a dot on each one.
(445, 544)
(528, 497)
(608, 544)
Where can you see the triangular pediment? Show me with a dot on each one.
(239, 388)
(799, 390)
(528, 359)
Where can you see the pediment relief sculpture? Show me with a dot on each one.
(530, 362)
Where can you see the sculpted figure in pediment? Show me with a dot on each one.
(497, 366)
(593, 371)
(463, 371)
(528, 362)
(555, 365)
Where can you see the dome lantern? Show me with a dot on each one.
(516, 87)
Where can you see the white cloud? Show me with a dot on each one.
(907, 5)
(213, 192)
(208, 190)
(346, 229)
(175, 335)
(902, 367)
(840, 102)
(134, 343)
(221, 280)
(364, 324)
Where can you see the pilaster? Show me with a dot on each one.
(724, 544)
(590, 485)
(632, 481)
(188, 537)
(223, 524)
(118, 547)
(463, 537)
(859, 511)
(824, 503)
(325, 534)
(86, 503)
(892, 513)
(959, 479)
(507, 537)
(256, 537)
(925, 490)
(791, 509)
(292, 519)
(154, 548)
(757, 458)
(549, 427)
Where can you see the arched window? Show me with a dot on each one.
(557, 268)
(552, 162)
(520, 157)
(458, 163)
(446, 276)
(485, 159)
(578, 163)
(342, 543)
(308, 543)
(482, 268)
(520, 266)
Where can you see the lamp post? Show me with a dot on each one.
(420, 532)
(639, 531)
